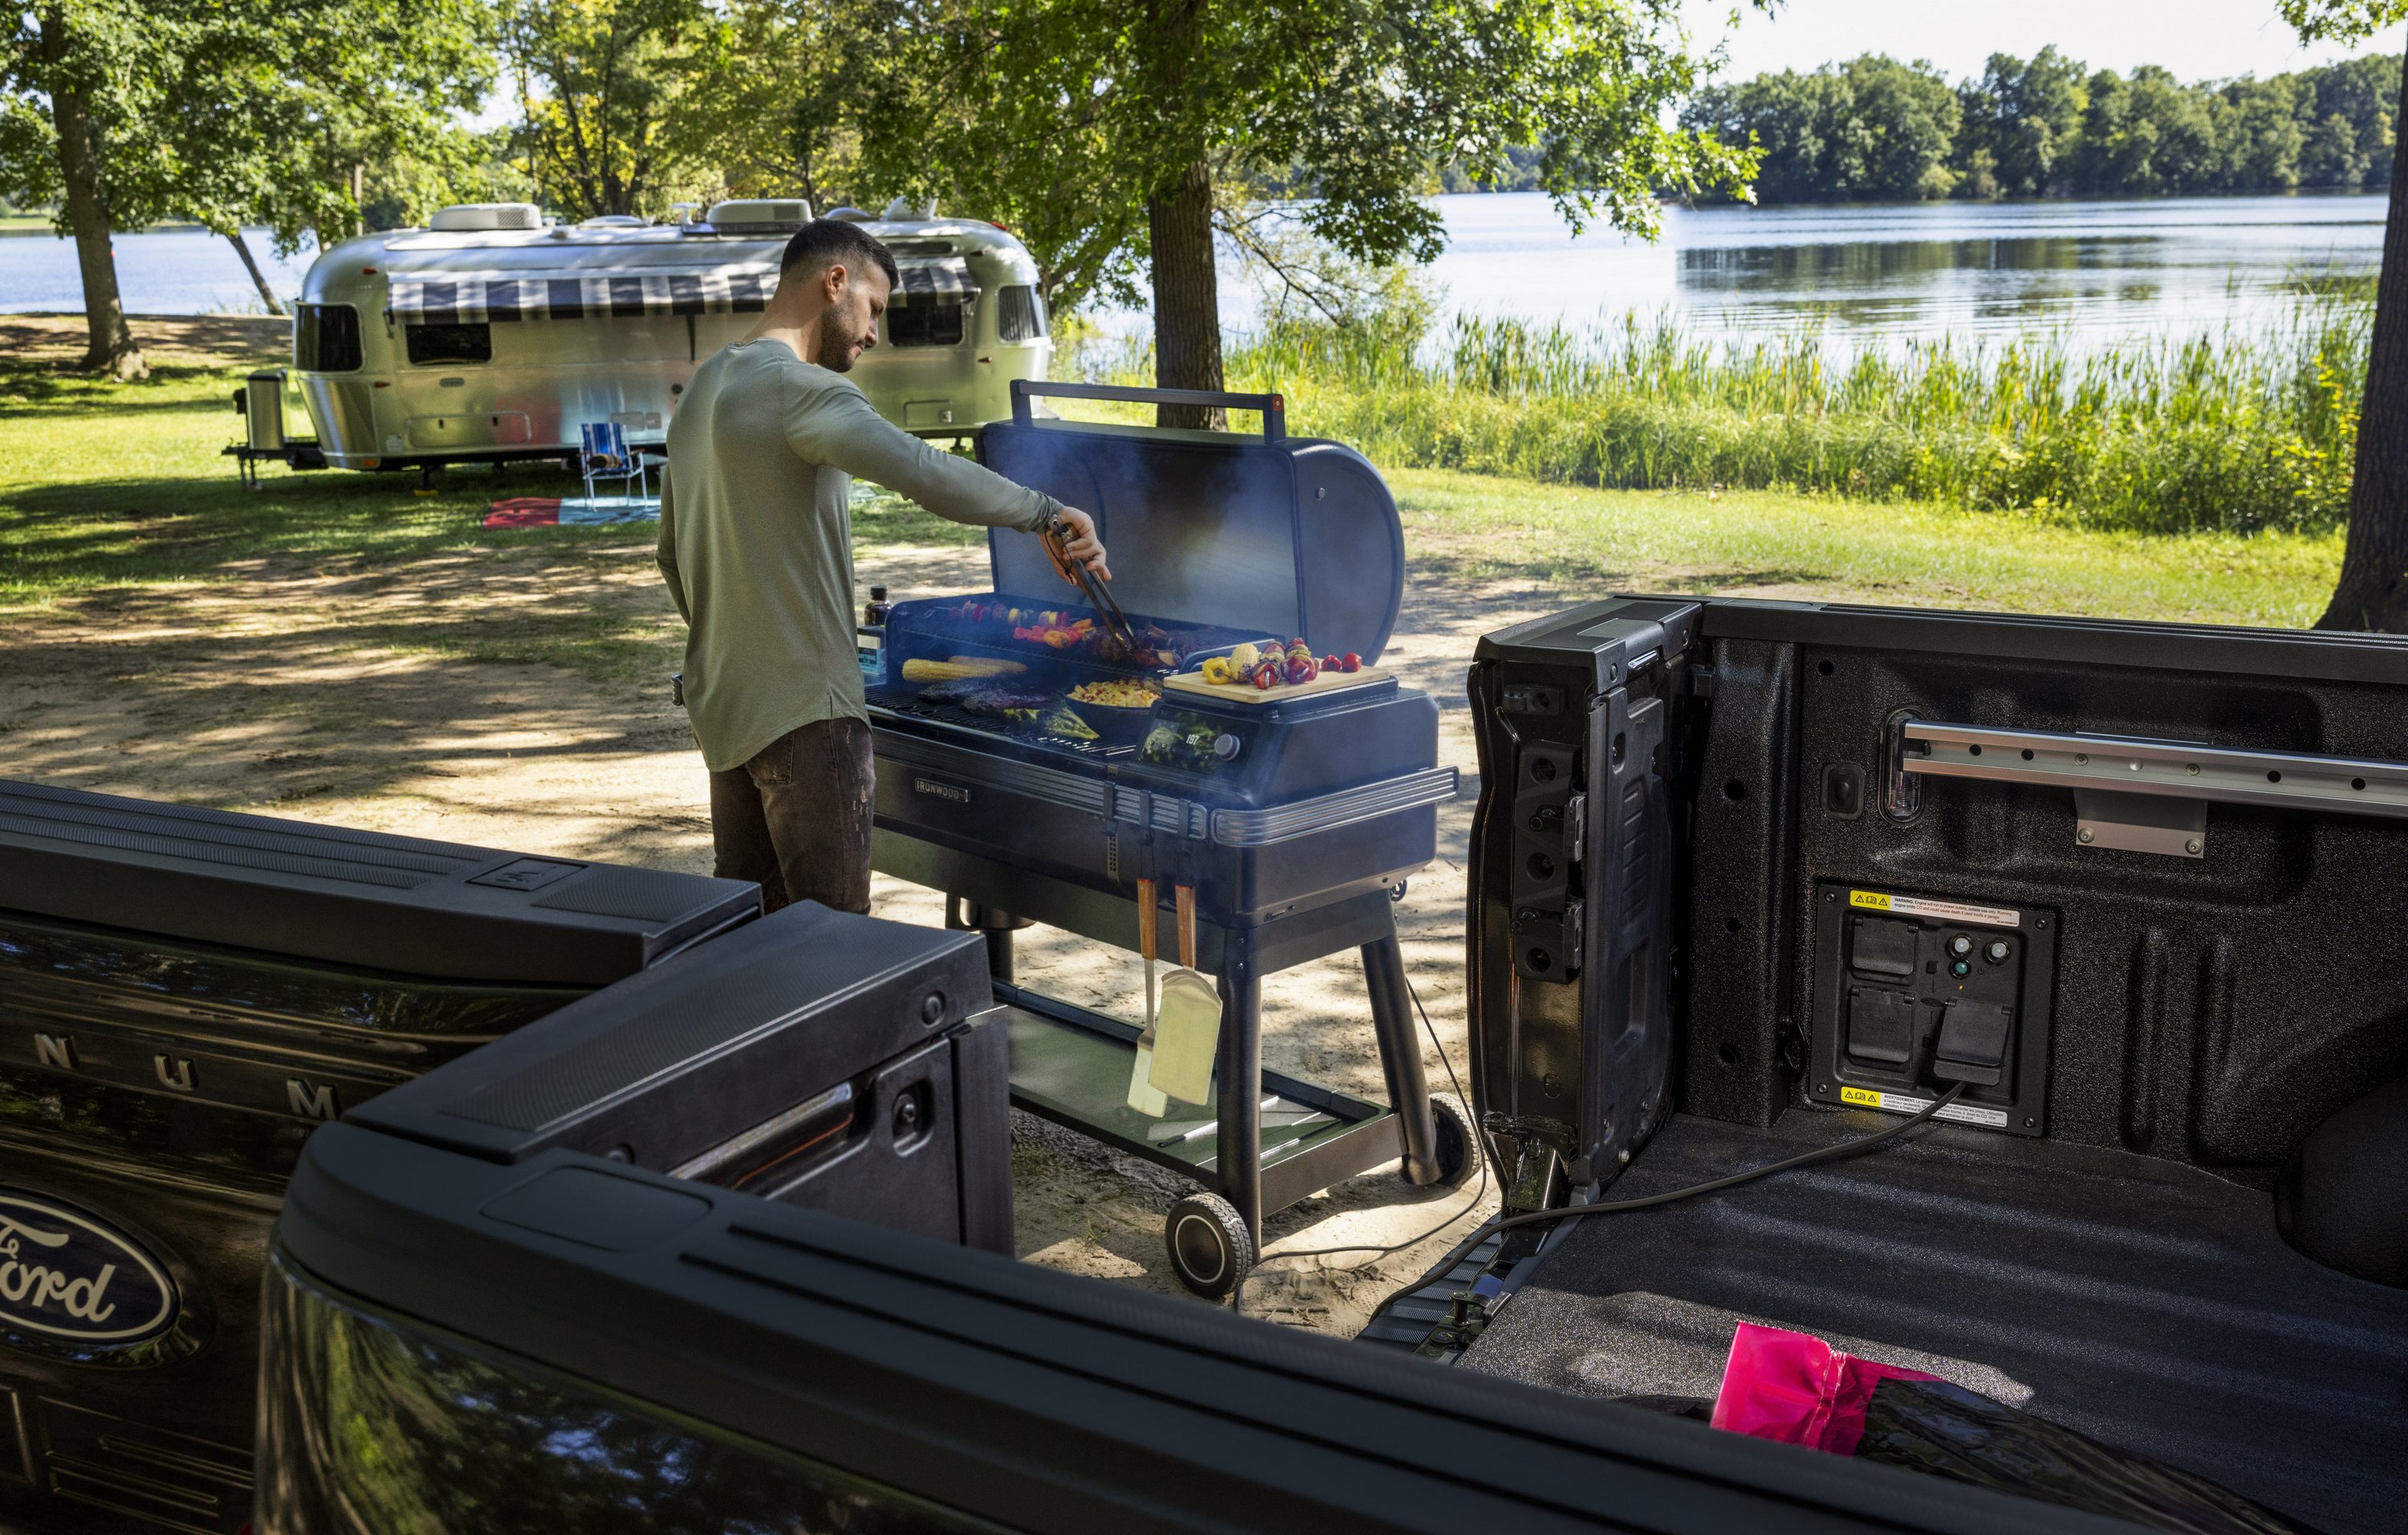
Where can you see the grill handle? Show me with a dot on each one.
(1273, 406)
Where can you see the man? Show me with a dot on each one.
(756, 543)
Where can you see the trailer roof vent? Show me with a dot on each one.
(613, 221)
(759, 213)
(468, 216)
(904, 211)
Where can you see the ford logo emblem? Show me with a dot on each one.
(67, 1274)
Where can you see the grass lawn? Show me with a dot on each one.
(108, 486)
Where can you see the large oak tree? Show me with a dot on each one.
(1109, 132)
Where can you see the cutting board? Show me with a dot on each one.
(1329, 681)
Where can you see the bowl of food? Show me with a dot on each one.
(1120, 708)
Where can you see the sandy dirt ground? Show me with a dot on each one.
(340, 696)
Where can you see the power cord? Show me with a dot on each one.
(1804, 1159)
(1505, 1223)
(1237, 1295)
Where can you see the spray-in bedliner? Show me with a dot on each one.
(2147, 1304)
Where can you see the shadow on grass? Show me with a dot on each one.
(40, 389)
(1570, 574)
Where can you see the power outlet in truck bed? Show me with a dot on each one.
(1915, 994)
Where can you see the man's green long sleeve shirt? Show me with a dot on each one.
(757, 537)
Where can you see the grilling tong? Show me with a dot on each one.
(1056, 534)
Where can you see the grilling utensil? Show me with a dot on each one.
(1143, 1095)
(1056, 536)
(1187, 1030)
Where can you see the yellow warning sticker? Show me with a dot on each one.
(1915, 905)
(1899, 1103)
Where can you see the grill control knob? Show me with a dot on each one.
(1997, 951)
(1960, 946)
(1225, 747)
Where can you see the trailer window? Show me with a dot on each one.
(325, 337)
(1018, 316)
(925, 325)
(451, 343)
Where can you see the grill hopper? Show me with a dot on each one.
(1292, 821)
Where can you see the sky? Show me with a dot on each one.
(2197, 39)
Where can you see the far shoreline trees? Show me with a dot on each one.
(1874, 129)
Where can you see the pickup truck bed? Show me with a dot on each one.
(2148, 1304)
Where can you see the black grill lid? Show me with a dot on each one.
(345, 897)
(1290, 535)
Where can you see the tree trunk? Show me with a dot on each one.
(1186, 297)
(2373, 592)
(258, 278)
(113, 349)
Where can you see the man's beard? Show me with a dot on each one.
(835, 347)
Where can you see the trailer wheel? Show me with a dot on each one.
(1208, 1247)
(1459, 1145)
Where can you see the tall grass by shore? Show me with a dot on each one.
(2228, 431)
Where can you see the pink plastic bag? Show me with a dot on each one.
(1799, 1390)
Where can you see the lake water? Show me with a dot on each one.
(2098, 270)
(174, 271)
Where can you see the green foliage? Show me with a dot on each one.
(1874, 129)
(228, 112)
(121, 56)
(775, 92)
(2018, 122)
(1868, 129)
(279, 110)
(2230, 432)
(601, 83)
(2341, 20)
(1066, 118)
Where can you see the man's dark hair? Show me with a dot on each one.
(826, 242)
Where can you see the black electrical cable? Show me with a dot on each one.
(1504, 1223)
(1804, 1159)
(1237, 1296)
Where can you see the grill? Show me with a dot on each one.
(1296, 816)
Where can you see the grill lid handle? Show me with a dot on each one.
(1273, 406)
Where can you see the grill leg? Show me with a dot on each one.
(998, 954)
(1401, 1055)
(1238, 1152)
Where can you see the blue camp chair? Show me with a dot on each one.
(607, 456)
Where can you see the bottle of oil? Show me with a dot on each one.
(870, 638)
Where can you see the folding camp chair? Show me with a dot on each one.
(607, 456)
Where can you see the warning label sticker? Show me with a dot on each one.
(1915, 906)
(1899, 1103)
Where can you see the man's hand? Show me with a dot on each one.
(1082, 543)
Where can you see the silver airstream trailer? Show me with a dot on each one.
(490, 335)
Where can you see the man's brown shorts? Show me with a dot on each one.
(796, 817)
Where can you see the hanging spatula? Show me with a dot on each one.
(1187, 1030)
(1143, 1095)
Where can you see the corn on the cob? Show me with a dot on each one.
(921, 669)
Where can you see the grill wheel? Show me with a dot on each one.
(1209, 1248)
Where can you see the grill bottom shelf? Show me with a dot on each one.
(1072, 1065)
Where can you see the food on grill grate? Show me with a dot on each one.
(1116, 694)
(921, 669)
(987, 696)
(1067, 724)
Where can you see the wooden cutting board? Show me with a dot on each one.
(1329, 681)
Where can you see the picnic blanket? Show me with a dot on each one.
(572, 511)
